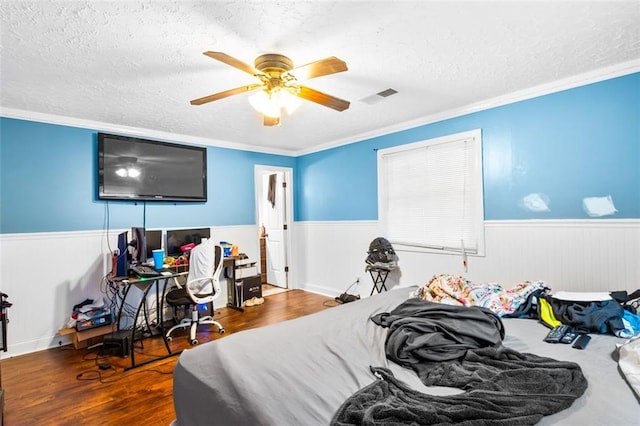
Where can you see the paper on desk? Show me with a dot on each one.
(580, 296)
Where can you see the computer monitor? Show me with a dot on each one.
(177, 238)
(154, 241)
(139, 245)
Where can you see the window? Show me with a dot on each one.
(431, 196)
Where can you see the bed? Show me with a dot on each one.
(300, 372)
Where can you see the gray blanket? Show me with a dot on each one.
(421, 330)
(502, 386)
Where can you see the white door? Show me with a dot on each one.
(273, 216)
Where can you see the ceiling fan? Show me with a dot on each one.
(279, 86)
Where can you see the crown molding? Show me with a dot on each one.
(584, 79)
(132, 131)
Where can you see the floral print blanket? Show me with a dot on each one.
(453, 290)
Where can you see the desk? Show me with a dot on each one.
(145, 284)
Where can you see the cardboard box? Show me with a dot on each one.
(86, 338)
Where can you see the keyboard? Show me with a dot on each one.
(145, 271)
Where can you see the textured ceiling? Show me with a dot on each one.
(134, 66)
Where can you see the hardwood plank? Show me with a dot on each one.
(63, 386)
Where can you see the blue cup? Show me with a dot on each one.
(158, 258)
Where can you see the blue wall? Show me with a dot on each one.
(48, 183)
(577, 143)
(582, 142)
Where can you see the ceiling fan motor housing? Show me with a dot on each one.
(272, 63)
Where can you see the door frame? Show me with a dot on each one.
(259, 171)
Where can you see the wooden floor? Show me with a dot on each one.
(64, 386)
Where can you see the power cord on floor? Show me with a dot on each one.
(103, 364)
(344, 297)
(99, 374)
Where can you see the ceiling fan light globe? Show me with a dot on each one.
(258, 100)
(285, 98)
(263, 103)
(289, 101)
(273, 113)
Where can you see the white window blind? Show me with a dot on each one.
(431, 194)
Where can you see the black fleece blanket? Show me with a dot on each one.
(501, 386)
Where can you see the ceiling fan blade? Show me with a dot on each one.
(271, 121)
(230, 60)
(225, 94)
(319, 68)
(322, 98)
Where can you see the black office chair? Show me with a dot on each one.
(202, 286)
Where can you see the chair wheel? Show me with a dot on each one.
(221, 331)
(194, 342)
(169, 338)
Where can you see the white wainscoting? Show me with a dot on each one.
(46, 274)
(570, 255)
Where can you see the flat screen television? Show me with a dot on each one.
(138, 169)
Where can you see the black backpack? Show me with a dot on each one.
(381, 251)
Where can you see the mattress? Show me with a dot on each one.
(299, 372)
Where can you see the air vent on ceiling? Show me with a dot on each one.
(379, 96)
